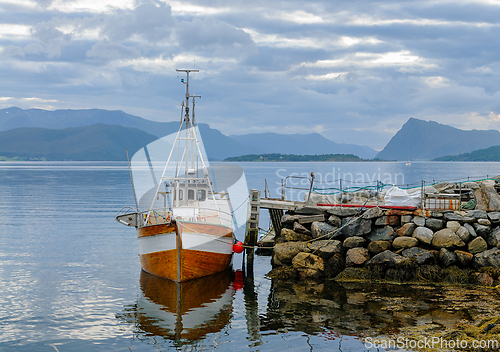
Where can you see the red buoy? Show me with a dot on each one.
(238, 247)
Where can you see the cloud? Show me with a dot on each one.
(151, 21)
(52, 38)
(224, 39)
(34, 48)
(13, 50)
(353, 71)
(112, 51)
(44, 3)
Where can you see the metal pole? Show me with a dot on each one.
(340, 192)
(422, 196)
(310, 188)
(460, 196)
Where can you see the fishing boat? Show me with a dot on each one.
(187, 231)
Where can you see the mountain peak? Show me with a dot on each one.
(425, 140)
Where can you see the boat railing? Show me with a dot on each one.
(155, 217)
(285, 185)
(203, 214)
(198, 214)
(127, 216)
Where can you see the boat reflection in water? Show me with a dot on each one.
(185, 311)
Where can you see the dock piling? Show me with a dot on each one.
(252, 226)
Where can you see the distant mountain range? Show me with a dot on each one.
(217, 145)
(94, 142)
(427, 140)
(489, 154)
(97, 134)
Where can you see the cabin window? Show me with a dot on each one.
(180, 194)
(202, 195)
(190, 194)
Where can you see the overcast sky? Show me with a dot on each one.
(354, 71)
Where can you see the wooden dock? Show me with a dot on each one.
(276, 208)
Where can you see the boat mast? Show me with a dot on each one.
(189, 122)
(194, 154)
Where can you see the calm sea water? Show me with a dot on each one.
(70, 277)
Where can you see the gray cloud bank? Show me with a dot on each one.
(353, 71)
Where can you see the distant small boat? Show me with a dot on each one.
(408, 163)
(190, 234)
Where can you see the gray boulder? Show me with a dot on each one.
(493, 237)
(463, 234)
(391, 220)
(464, 258)
(404, 242)
(477, 245)
(406, 219)
(373, 213)
(334, 265)
(470, 185)
(419, 221)
(446, 238)
(377, 247)
(289, 219)
(386, 258)
(335, 221)
(406, 229)
(494, 217)
(288, 235)
(434, 224)
(447, 257)
(484, 222)
(325, 248)
(353, 242)
(343, 211)
(453, 225)
(482, 230)
(320, 229)
(487, 197)
(423, 234)
(453, 216)
(309, 211)
(357, 227)
(422, 256)
(356, 256)
(297, 227)
(308, 265)
(284, 252)
(483, 279)
(491, 257)
(384, 234)
(477, 214)
(471, 230)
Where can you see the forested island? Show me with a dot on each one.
(293, 157)
(488, 154)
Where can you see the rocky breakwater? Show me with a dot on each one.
(385, 244)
